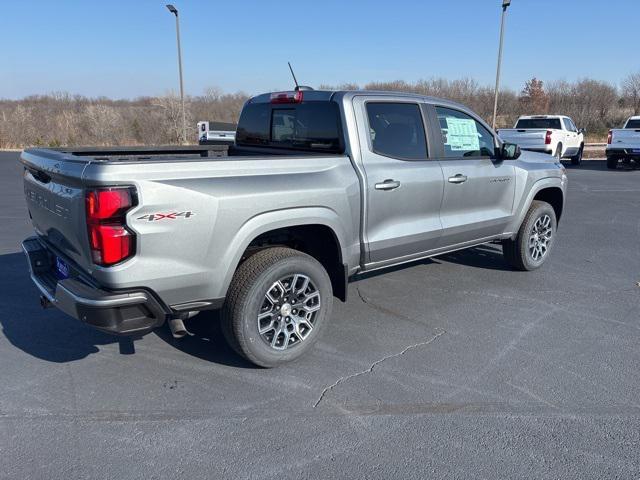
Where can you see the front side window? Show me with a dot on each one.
(396, 130)
(463, 136)
(569, 124)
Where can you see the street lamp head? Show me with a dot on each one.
(506, 3)
(174, 10)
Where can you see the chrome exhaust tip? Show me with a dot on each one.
(178, 330)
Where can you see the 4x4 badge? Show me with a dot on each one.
(166, 216)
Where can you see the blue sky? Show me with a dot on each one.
(124, 49)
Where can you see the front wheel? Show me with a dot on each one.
(535, 238)
(278, 303)
(577, 158)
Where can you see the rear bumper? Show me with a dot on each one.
(130, 312)
(623, 153)
(546, 150)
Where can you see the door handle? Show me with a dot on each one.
(388, 184)
(459, 178)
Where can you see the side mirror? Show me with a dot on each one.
(509, 151)
(582, 130)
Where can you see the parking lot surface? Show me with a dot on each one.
(455, 367)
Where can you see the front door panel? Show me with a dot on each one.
(479, 207)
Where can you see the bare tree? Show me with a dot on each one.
(631, 91)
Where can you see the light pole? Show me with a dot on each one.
(505, 4)
(174, 10)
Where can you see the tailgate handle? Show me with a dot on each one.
(388, 185)
(40, 175)
(459, 178)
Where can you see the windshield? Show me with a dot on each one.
(548, 123)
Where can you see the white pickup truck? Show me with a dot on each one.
(624, 144)
(556, 135)
(216, 133)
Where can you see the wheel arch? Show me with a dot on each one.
(315, 231)
(554, 196)
(548, 189)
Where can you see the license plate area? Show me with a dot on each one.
(62, 269)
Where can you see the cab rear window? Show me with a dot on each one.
(549, 123)
(634, 123)
(310, 126)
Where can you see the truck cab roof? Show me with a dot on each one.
(526, 117)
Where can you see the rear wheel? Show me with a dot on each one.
(577, 158)
(278, 303)
(532, 245)
(612, 163)
(558, 153)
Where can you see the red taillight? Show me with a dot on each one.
(109, 239)
(105, 204)
(109, 243)
(547, 137)
(287, 97)
(609, 137)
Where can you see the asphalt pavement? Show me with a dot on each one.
(456, 367)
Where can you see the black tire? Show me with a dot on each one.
(517, 252)
(558, 153)
(246, 298)
(577, 158)
(612, 163)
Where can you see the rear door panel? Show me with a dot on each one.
(404, 221)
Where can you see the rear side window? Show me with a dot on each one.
(464, 136)
(548, 123)
(634, 123)
(396, 130)
(313, 126)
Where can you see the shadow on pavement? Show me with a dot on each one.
(47, 334)
(206, 341)
(55, 337)
(597, 165)
(487, 256)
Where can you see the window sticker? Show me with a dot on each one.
(462, 134)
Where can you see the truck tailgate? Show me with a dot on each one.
(626, 138)
(55, 199)
(524, 137)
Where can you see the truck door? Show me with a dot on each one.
(478, 190)
(403, 188)
(573, 139)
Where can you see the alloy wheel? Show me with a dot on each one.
(288, 311)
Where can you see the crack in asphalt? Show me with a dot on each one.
(374, 365)
(345, 378)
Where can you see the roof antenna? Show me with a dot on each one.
(298, 87)
(294, 76)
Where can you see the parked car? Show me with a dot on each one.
(556, 135)
(319, 187)
(624, 143)
(216, 133)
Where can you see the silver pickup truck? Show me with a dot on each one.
(319, 187)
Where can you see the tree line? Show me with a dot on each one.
(61, 119)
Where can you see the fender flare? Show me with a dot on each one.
(525, 204)
(273, 220)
